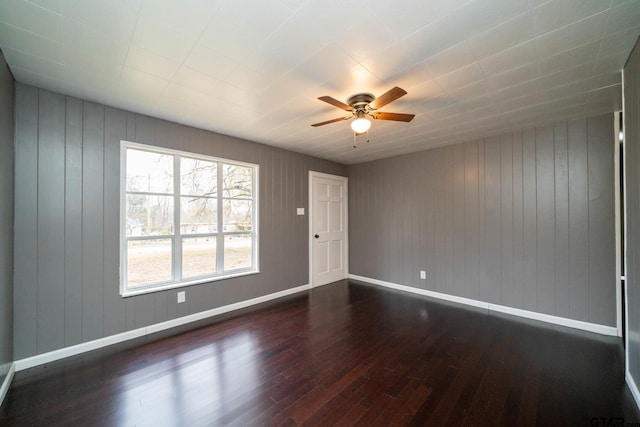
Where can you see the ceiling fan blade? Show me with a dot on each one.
(398, 117)
(331, 121)
(387, 97)
(335, 103)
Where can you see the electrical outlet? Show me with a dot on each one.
(300, 211)
(181, 297)
(423, 275)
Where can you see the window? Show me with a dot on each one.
(185, 219)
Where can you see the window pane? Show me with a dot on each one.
(149, 172)
(237, 181)
(198, 177)
(238, 251)
(198, 215)
(149, 215)
(198, 256)
(237, 215)
(149, 261)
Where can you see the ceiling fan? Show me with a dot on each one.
(364, 106)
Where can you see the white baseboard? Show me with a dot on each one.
(563, 321)
(632, 387)
(41, 359)
(4, 388)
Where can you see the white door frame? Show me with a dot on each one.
(312, 175)
(618, 216)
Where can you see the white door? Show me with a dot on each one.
(328, 248)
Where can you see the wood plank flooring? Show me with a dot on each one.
(343, 354)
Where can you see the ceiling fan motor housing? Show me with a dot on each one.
(360, 101)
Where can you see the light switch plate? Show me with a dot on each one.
(300, 211)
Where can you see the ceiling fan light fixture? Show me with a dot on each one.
(363, 108)
(361, 124)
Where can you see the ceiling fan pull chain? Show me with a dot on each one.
(355, 140)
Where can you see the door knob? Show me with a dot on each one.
(316, 236)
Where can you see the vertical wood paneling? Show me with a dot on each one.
(632, 200)
(430, 202)
(7, 193)
(509, 214)
(471, 226)
(274, 206)
(355, 204)
(518, 223)
(562, 218)
(406, 253)
(296, 223)
(456, 258)
(449, 221)
(395, 209)
(578, 221)
(73, 223)
(289, 216)
(377, 211)
(92, 221)
(506, 221)
(304, 202)
(601, 228)
(482, 236)
(418, 262)
(25, 275)
(472, 193)
(530, 251)
(115, 311)
(287, 211)
(391, 200)
(492, 247)
(161, 301)
(439, 194)
(50, 260)
(545, 217)
(386, 267)
(263, 217)
(419, 259)
(67, 221)
(164, 134)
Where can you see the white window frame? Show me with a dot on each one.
(176, 237)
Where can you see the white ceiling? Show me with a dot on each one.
(254, 69)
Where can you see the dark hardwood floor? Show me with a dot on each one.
(343, 354)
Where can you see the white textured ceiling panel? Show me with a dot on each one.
(255, 69)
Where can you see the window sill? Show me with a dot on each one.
(169, 286)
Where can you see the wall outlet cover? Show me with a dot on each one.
(300, 211)
(423, 274)
(181, 297)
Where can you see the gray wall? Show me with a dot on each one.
(6, 217)
(632, 184)
(67, 210)
(524, 220)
